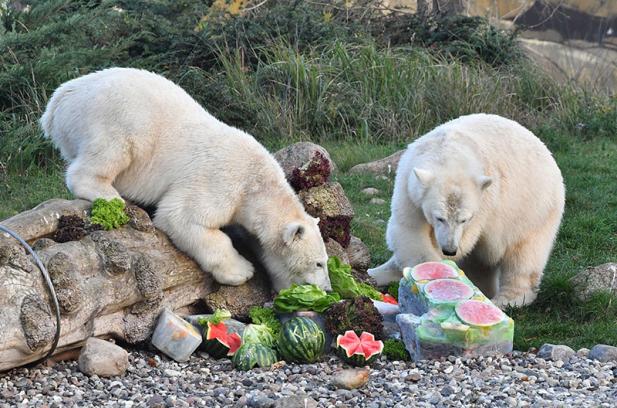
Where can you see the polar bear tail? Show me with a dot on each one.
(47, 119)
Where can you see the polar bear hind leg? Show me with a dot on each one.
(523, 265)
(90, 175)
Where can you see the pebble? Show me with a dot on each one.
(518, 379)
(377, 201)
(370, 191)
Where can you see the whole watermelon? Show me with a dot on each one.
(301, 340)
(253, 354)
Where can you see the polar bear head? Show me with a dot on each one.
(449, 201)
(298, 256)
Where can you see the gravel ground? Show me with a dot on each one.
(520, 379)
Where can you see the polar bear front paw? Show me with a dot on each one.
(385, 274)
(503, 301)
(234, 272)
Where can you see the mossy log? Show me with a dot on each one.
(108, 283)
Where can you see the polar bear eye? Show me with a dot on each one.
(319, 265)
(442, 220)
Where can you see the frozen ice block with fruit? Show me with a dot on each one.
(443, 313)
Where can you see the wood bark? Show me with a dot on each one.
(109, 283)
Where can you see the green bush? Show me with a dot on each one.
(395, 350)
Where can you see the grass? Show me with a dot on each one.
(327, 81)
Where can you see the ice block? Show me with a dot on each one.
(443, 313)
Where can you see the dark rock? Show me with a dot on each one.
(139, 219)
(333, 248)
(359, 255)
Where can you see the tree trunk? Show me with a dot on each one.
(108, 283)
(441, 8)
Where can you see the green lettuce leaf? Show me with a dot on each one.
(304, 297)
(344, 283)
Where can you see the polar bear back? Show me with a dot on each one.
(166, 133)
(527, 183)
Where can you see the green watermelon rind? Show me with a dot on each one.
(301, 340)
(216, 347)
(252, 355)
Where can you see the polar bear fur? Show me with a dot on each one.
(132, 133)
(485, 192)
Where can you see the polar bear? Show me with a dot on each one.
(132, 133)
(482, 191)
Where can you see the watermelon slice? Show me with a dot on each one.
(358, 351)
(219, 342)
(477, 313)
(433, 270)
(447, 291)
(387, 298)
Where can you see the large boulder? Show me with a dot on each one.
(329, 203)
(385, 166)
(305, 164)
(593, 280)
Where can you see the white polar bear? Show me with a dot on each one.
(132, 133)
(485, 192)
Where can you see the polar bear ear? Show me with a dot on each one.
(484, 182)
(292, 232)
(316, 219)
(424, 176)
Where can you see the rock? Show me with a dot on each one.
(592, 280)
(139, 219)
(603, 353)
(175, 337)
(583, 352)
(297, 401)
(333, 248)
(555, 352)
(358, 254)
(238, 300)
(414, 377)
(299, 155)
(370, 191)
(351, 378)
(379, 167)
(377, 201)
(329, 203)
(102, 358)
(172, 373)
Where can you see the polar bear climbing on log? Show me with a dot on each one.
(485, 192)
(129, 133)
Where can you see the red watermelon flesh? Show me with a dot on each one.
(219, 342)
(235, 341)
(447, 290)
(365, 345)
(478, 313)
(433, 270)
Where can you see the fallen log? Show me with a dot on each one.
(108, 283)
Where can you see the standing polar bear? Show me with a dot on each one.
(132, 133)
(485, 192)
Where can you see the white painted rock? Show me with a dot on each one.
(103, 358)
